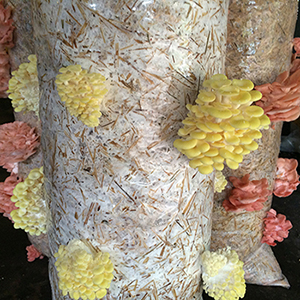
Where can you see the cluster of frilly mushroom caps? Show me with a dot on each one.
(223, 125)
(219, 129)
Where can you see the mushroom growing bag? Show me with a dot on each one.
(121, 186)
(258, 51)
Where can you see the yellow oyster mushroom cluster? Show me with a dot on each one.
(220, 182)
(23, 87)
(31, 213)
(82, 93)
(223, 125)
(223, 275)
(83, 273)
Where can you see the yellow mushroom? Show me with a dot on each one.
(194, 163)
(223, 274)
(205, 96)
(241, 98)
(219, 113)
(203, 127)
(82, 271)
(246, 140)
(232, 164)
(223, 123)
(254, 111)
(254, 134)
(31, 214)
(220, 180)
(251, 147)
(243, 84)
(255, 95)
(185, 145)
(205, 169)
(213, 126)
(213, 137)
(264, 120)
(24, 87)
(218, 159)
(231, 138)
(206, 161)
(219, 166)
(254, 123)
(239, 123)
(199, 135)
(82, 93)
(229, 91)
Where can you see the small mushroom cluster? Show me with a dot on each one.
(247, 195)
(83, 273)
(18, 141)
(223, 125)
(287, 178)
(220, 182)
(31, 212)
(24, 87)
(223, 274)
(276, 228)
(82, 93)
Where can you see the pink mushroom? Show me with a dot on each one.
(287, 178)
(18, 141)
(6, 192)
(6, 28)
(33, 253)
(276, 228)
(281, 99)
(247, 195)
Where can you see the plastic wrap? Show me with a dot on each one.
(260, 35)
(259, 48)
(122, 187)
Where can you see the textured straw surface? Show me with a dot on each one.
(122, 186)
(260, 37)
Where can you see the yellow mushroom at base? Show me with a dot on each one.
(82, 93)
(223, 274)
(83, 272)
(220, 182)
(223, 123)
(31, 213)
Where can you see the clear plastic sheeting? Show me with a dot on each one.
(260, 37)
(122, 186)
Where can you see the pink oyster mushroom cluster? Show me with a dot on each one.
(18, 141)
(276, 228)
(247, 195)
(281, 99)
(6, 42)
(33, 253)
(287, 178)
(6, 192)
